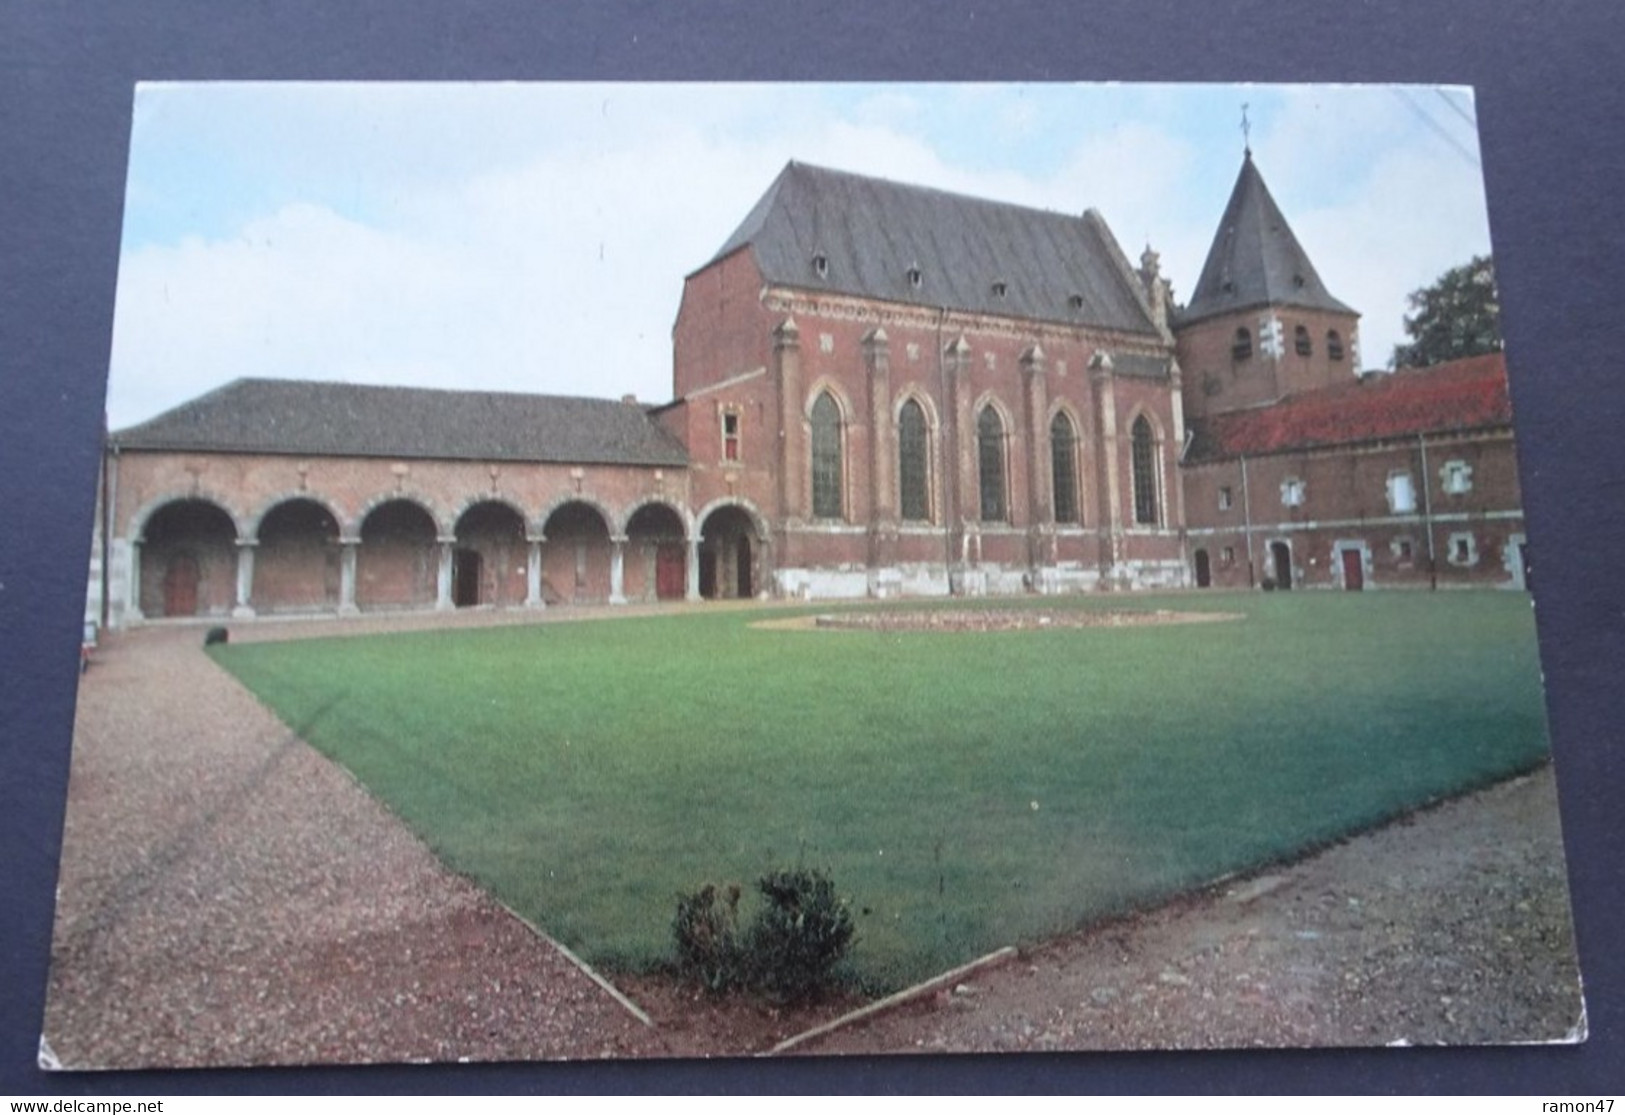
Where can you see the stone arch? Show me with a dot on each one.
(656, 567)
(674, 507)
(297, 559)
(187, 558)
(398, 561)
(143, 514)
(490, 555)
(251, 525)
(576, 557)
(430, 507)
(732, 550)
(611, 521)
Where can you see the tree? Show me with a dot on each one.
(1458, 315)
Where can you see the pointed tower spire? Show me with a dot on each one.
(1255, 259)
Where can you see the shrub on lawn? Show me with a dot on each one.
(707, 932)
(799, 934)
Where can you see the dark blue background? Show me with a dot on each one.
(1552, 114)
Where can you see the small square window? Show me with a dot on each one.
(1226, 498)
(1404, 551)
(1227, 556)
(1292, 492)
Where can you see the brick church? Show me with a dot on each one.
(879, 390)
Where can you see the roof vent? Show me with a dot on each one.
(820, 263)
(915, 276)
(1000, 288)
(1297, 280)
(1075, 301)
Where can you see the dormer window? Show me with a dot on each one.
(1000, 288)
(915, 277)
(1242, 347)
(820, 264)
(1301, 342)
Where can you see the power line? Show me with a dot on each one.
(1438, 129)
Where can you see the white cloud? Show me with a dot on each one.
(536, 238)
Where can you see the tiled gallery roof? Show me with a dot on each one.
(350, 420)
(1463, 395)
(828, 230)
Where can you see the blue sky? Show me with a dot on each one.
(535, 237)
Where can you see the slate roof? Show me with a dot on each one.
(1255, 259)
(350, 420)
(1458, 397)
(871, 232)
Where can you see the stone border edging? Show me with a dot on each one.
(907, 995)
(586, 969)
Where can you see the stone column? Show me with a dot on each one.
(787, 375)
(245, 579)
(617, 569)
(533, 571)
(691, 569)
(962, 497)
(1110, 513)
(1176, 400)
(133, 606)
(882, 455)
(1040, 497)
(347, 556)
(442, 584)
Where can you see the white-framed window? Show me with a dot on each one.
(1457, 478)
(1227, 498)
(1292, 492)
(1227, 556)
(1462, 549)
(1401, 493)
(1404, 549)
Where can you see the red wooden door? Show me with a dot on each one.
(1353, 571)
(670, 575)
(180, 586)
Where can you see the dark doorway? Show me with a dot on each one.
(180, 585)
(728, 554)
(670, 572)
(465, 578)
(708, 573)
(1204, 574)
(1281, 565)
(1353, 570)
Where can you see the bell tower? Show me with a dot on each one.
(1260, 324)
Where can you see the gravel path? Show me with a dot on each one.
(230, 897)
(1450, 927)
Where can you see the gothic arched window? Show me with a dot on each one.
(1063, 448)
(913, 463)
(1145, 472)
(990, 461)
(826, 458)
(1334, 345)
(1301, 342)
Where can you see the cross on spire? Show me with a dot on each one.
(1246, 132)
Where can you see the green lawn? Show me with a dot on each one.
(966, 791)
